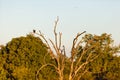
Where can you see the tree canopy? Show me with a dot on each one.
(34, 57)
(21, 58)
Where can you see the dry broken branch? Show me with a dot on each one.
(73, 51)
(55, 33)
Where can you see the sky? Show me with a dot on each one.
(20, 17)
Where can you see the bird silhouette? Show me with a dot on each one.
(34, 31)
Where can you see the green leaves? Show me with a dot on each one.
(93, 59)
(106, 64)
(24, 56)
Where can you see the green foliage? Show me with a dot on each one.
(106, 66)
(22, 57)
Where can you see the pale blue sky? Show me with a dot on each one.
(19, 17)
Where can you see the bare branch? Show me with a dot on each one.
(84, 51)
(73, 52)
(60, 35)
(55, 48)
(55, 33)
(64, 50)
(46, 42)
(43, 66)
(85, 63)
(74, 43)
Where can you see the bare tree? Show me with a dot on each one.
(57, 52)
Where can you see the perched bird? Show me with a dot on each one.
(34, 31)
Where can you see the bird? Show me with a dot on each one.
(34, 31)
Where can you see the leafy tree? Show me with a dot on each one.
(107, 64)
(37, 58)
(22, 57)
(113, 69)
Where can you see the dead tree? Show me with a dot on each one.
(57, 52)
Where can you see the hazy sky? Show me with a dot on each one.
(19, 17)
